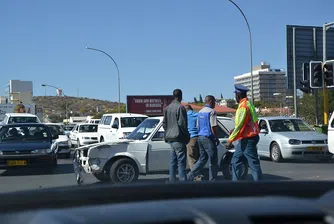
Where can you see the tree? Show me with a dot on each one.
(195, 100)
(200, 98)
(221, 96)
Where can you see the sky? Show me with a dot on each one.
(159, 45)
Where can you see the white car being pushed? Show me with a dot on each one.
(84, 134)
(143, 152)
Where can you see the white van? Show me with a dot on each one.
(118, 125)
(12, 118)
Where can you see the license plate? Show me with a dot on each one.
(16, 162)
(314, 148)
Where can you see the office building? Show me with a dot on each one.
(268, 84)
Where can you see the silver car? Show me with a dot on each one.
(290, 138)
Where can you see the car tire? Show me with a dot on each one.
(103, 177)
(275, 153)
(123, 171)
(226, 167)
(101, 139)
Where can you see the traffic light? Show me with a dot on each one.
(328, 73)
(316, 75)
(306, 79)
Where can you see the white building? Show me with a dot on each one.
(268, 84)
(19, 91)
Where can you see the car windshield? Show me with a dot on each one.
(69, 127)
(144, 129)
(56, 130)
(14, 120)
(88, 128)
(289, 125)
(228, 123)
(131, 122)
(24, 133)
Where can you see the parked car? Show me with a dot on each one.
(63, 141)
(112, 127)
(84, 134)
(143, 152)
(29, 144)
(290, 138)
(12, 118)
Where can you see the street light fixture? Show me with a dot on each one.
(250, 48)
(62, 93)
(119, 82)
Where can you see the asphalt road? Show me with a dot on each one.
(28, 179)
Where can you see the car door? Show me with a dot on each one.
(158, 152)
(114, 130)
(263, 147)
(104, 128)
(74, 134)
(223, 135)
(330, 133)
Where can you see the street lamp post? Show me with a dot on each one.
(250, 47)
(57, 88)
(119, 81)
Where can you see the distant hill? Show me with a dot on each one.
(80, 106)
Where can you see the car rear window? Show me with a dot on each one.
(14, 120)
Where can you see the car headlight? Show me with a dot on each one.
(1, 153)
(95, 161)
(294, 142)
(85, 137)
(38, 151)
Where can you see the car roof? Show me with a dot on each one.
(126, 115)
(24, 124)
(279, 118)
(87, 124)
(20, 115)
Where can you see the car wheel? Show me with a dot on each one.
(104, 177)
(102, 139)
(124, 171)
(226, 167)
(275, 153)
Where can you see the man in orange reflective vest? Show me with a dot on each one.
(247, 131)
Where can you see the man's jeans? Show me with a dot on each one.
(178, 161)
(246, 149)
(207, 151)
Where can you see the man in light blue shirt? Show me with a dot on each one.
(192, 146)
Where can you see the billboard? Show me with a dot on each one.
(308, 47)
(16, 108)
(151, 105)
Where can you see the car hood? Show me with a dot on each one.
(106, 144)
(14, 146)
(62, 138)
(303, 135)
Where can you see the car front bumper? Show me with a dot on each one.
(305, 151)
(88, 142)
(30, 160)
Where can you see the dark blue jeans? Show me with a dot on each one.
(178, 161)
(246, 149)
(207, 151)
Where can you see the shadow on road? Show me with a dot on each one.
(60, 169)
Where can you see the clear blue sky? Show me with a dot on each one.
(159, 45)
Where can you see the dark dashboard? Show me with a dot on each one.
(226, 202)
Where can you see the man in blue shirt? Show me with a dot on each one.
(192, 147)
(207, 140)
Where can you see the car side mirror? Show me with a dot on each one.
(114, 126)
(55, 136)
(263, 131)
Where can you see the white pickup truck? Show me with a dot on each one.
(143, 152)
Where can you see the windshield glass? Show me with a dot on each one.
(144, 129)
(229, 124)
(131, 122)
(13, 120)
(288, 125)
(56, 130)
(88, 128)
(24, 133)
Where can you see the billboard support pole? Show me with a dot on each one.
(294, 71)
(316, 95)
